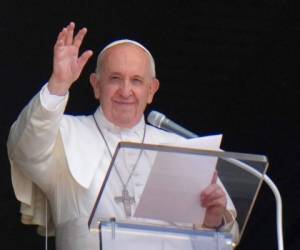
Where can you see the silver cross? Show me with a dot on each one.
(127, 201)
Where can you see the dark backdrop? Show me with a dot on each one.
(226, 67)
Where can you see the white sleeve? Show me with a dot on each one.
(33, 135)
(49, 101)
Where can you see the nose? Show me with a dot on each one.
(125, 89)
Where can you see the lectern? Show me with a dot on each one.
(150, 198)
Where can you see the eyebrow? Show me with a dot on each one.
(139, 77)
(134, 76)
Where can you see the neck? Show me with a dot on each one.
(120, 126)
(105, 141)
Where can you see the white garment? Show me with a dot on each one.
(65, 158)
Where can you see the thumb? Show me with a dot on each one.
(82, 60)
(215, 177)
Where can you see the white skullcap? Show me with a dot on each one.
(128, 41)
(117, 42)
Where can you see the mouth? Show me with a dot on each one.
(123, 102)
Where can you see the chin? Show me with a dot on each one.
(124, 120)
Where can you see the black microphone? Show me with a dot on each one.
(161, 121)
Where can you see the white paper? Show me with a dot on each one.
(172, 192)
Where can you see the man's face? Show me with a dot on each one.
(125, 85)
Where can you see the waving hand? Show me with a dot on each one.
(67, 64)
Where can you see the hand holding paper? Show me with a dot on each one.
(213, 198)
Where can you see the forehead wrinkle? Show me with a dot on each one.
(135, 59)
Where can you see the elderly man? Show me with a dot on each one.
(63, 159)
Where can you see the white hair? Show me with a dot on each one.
(125, 41)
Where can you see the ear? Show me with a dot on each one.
(95, 85)
(153, 88)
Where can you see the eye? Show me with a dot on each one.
(115, 78)
(137, 81)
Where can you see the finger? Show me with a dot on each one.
(60, 38)
(213, 191)
(220, 202)
(59, 44)
(61, 35)
(218, 194)
(215, 177)
(209, 190)
(79, 37)
(70, 33)
(82, 60)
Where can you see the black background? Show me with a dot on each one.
(226, 67)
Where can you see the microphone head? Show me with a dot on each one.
(155, 118)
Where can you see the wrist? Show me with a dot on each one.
(223, 223)
(214, 223)
(57, 88)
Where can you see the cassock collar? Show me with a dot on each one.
(103, 122)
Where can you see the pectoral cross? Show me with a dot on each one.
(127, 201)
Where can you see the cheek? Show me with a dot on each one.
(141, 95)
(98, 93)
(107, 91)
(149, 96)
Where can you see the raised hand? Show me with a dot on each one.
(67, 64)
(213, 198)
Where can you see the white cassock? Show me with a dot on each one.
(64, 158)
